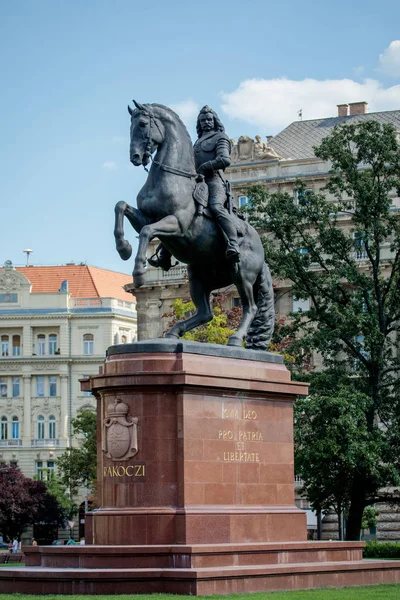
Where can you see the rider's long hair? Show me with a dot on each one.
(217, 123)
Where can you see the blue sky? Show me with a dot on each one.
(69, 68)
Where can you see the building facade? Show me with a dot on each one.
(55, 326)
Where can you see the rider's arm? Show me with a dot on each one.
(222, 157)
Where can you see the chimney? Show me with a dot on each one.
(342, 110)
(358, 108)
(269, 138)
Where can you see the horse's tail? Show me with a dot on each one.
(262, 326)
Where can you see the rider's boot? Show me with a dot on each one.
(229, 228)
(162, 258)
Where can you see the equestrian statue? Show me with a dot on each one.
(186, 204)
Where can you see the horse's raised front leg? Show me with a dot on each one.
(245, 289)
(136, 219)
(165, 227)
(201, 298)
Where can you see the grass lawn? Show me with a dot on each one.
(375, 592)
(12, 564)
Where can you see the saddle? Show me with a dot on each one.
(200, 196)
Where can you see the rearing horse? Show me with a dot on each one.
(166, 209)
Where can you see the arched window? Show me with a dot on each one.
(41, 344)
(4, 429)
(52, 427)
(52, 343)
(40, 427)
(123, 339)
(88, 341)
(4, 345)
(16, 345)
(15, 428)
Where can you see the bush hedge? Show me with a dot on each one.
(381, 550)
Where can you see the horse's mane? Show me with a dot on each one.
(171, 113)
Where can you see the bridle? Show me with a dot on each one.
(153, 122)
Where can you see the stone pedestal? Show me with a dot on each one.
(212, 460)
(196, 484)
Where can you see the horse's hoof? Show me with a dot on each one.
(235, 341)
(138, 280)
(124, 250)
(172, 336)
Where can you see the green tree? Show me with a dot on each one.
(25, 501)
(341, 249)
(217, 331)
(78, 465)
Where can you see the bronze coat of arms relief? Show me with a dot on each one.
(119, 432)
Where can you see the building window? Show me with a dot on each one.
(15, 428)
(245, 201)
(39, 469)
(300, 304)
(16, 348)
(52, 428)
(16, 387)
(3, 387)
(4, 345)
(40, 427)
(88, 344)
(124, 339)
(52, 343)
(40, 386)
(52, 386)
(43, 470)
(359, 246)
(236, 302)
(303, 196)
(41, 345)
(8, 297)
(4, 428)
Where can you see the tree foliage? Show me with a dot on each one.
(78, 465)
(217, 331)
(25, 501)
(341, 249)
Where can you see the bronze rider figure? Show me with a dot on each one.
(212, 157)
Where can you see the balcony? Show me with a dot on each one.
(10, 443)
(45, 443)
(176, 273)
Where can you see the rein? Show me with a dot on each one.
(163, 167)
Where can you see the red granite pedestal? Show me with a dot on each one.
(195, 484)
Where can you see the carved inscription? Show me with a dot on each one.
(242, 451)
(235, 413)
(124, 471)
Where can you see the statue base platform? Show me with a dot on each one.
(195, 484)
(195, 569)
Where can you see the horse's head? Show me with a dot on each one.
(147, 133)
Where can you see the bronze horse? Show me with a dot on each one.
(166, 209)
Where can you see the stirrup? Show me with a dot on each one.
(160, 261)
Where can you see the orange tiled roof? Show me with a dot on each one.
(83, 281)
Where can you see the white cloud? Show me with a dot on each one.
(110, 165)
(187, 110)
(273, 104)
(389, 60)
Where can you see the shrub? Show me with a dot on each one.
(382, 550)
